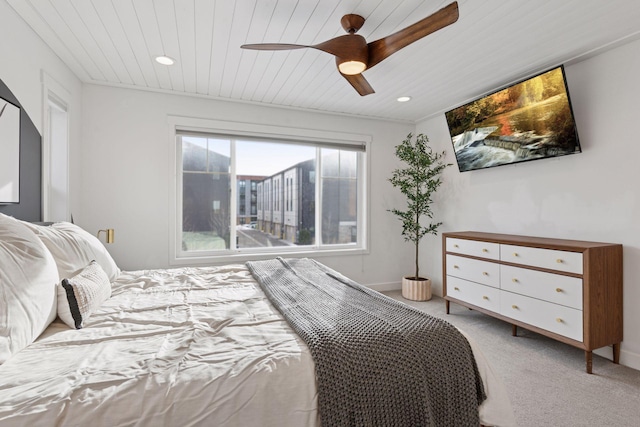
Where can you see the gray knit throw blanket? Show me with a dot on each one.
(378, 361)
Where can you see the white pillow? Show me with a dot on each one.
(83, 294)
(28, 278)
(73, 248)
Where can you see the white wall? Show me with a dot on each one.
(126, 174)
(589, 196)
(24, 58)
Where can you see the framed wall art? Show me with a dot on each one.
(9, 152)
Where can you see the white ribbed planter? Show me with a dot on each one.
(416, 290)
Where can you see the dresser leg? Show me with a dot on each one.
(616, 353)
(514, 330)
(447, 306)
(589, 360)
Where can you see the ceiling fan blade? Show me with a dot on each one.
(273, 46)
(347, 46)
(360, 84)
(384, 47)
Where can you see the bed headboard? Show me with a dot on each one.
(30, 206)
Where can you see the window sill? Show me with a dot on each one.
(240, 257)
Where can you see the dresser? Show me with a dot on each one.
(567, 290)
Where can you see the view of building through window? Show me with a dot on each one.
(205, 194)
(276, 197)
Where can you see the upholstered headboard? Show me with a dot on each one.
(30, 206)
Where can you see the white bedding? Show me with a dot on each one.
(181, 347)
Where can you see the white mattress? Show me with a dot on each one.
(189, 346)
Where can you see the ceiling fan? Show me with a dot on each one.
(354, 55)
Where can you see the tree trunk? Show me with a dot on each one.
(417, 268)
(417, 239)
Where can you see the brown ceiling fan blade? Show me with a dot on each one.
(360, 84)
(273, 46)
(347, 46)
(383, 48)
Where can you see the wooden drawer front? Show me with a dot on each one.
(487, 273)
(556, 318)
(474, 248)
(570, 262)
(555, 288)
(474, 293)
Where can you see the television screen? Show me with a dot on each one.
(526, 121)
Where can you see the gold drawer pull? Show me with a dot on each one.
(455, 266)
(559, 290)
(485, 250)
(456, 246)
(485, 297)
(456, 288)
(515, 307)
(559, 320)
(515, 254)
(559, 261)
(514, 280)
(484, 273)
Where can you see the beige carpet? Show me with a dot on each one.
(545, 379)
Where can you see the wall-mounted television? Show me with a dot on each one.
(526, 121)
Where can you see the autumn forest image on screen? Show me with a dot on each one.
(526, 121)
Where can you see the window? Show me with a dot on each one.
(287, 209)
(206, 201)
(339, 185)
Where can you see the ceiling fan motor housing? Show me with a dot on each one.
(351, 48)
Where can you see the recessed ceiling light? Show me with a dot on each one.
(404, 99)
(165, 60)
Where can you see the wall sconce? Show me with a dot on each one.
(108, 235)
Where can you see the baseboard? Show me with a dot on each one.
(627, 358)
(606, 352)
(630, 359)
(382, 287)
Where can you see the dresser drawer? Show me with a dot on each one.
(473, 248)
(487, 273)
(555, 318)
(555, 288)
(570, 262)
(474, 293)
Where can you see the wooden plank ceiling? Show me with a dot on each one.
(495, 42)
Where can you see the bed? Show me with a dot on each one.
(185, 346)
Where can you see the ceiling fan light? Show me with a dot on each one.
(351, 68)
(404, 99)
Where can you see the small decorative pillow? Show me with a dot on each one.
(73, 248)
(83, 294)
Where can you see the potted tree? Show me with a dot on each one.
(417, 180)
